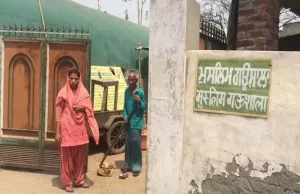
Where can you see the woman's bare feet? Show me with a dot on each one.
(84, 185)
(69, 189)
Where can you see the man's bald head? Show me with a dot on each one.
(132, 79)
(132, 73)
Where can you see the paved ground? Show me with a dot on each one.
(26, 182)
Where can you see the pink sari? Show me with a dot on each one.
(65, 101)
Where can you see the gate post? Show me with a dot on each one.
(258, 25)
(1, 83)
(43, 78)
(174, 29)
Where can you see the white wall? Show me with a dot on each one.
(211, 141)
(174, 29)
(290, 29)
(1, 81)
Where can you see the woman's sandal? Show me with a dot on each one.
(69, 189)
(84, 185)
(135, 174)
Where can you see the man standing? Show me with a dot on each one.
(133, 113)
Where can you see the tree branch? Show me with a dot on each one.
(217, 12)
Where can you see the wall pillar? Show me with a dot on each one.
(1, 82)
(258, 25)
(174, 29)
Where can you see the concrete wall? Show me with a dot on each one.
(174, 29)
(225, 154)
(290, 29)
(1, 81)
(212, 44)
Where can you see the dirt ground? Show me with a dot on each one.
(28, 182)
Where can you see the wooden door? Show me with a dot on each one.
(62, 57)
(34, 72)
(21, 88)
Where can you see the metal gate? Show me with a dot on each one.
(33, 66)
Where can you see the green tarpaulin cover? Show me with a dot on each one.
(113, 39)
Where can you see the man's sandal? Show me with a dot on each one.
(123, 175)
(135, 174)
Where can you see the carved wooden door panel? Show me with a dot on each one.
(21, 89)
(32, 73)
(62, 57)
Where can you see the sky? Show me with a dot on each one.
(118, 7)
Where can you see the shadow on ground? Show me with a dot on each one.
(57, 183)
(96, 149)
(102, 148)
(35, 171)
(119, 164)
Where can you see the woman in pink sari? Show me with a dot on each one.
(73, 109)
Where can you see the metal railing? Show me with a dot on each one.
(212, 32)
(63, 32)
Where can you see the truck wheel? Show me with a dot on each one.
(111, 135)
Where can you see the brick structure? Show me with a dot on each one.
(258, 25)
(210, 44)
(211, 37)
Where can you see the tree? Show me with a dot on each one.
(224, 14)
(217, 12)
(140, 9)
(286, 16)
